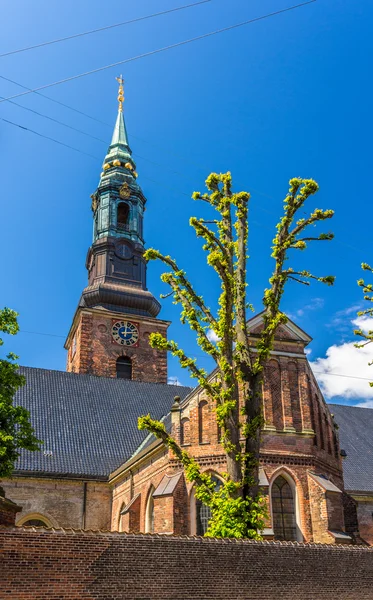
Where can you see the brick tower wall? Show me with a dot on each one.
(92, 350)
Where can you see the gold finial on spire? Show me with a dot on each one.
(120, 80)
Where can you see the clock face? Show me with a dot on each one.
(125, 333)
(123, 251)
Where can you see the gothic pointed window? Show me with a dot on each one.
(283, 510)
(124, 368)
(123, 215)
(203, 512)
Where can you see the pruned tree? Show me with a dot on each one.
(15, 428)
(366, 335)
(236, 389)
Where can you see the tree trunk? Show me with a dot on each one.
(253, 409)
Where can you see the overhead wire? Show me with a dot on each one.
(76, 110)
(37, 91)
(159, 50)
(39, 114)
(99, 29)
(205, 356)
(29, 90)
(47, 137)
(9, 99)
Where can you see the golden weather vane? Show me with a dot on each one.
(120, 80)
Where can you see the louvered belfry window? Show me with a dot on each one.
(283, 510)
(124, 368)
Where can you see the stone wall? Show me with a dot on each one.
(51, 565)
(60, 502)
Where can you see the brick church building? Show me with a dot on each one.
(97, 471)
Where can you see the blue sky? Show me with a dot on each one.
(287, 96)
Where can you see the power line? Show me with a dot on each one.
(159, 50)
(40, 333)
(205, 356)
(76, 110)
(35, 112)
(347, 376)
(77, 35)
(47, 137)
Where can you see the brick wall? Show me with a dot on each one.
(51, 565)
(365, 517)
(95, 352)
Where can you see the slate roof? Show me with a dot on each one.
(88, 424)
(356, 438)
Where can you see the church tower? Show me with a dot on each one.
(109, 336)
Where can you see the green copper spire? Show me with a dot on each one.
(119, 149)
(120, 137)
(115, 262)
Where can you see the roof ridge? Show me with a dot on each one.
(125, 381)
(350, 406)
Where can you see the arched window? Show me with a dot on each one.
(124, 368)
(283, 510)
(185, 431)
(149, 514)
(123, 214)
(203, 512)
(202, 422)
(35, 523)
(34, 520)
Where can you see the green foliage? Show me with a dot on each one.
(367, 288)
(15, 429)
(237, 508)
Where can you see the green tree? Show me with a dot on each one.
(236, 388)
(368, 296)
(15, 428)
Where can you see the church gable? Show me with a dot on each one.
(288, 331)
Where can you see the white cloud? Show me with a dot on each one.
(212, 336)
(174, 381)
(308, 351)
(367, 404)
(346, 364)
(364, 322)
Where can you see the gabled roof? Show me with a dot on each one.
(88, 424)
(290, 329)
(356, 438)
